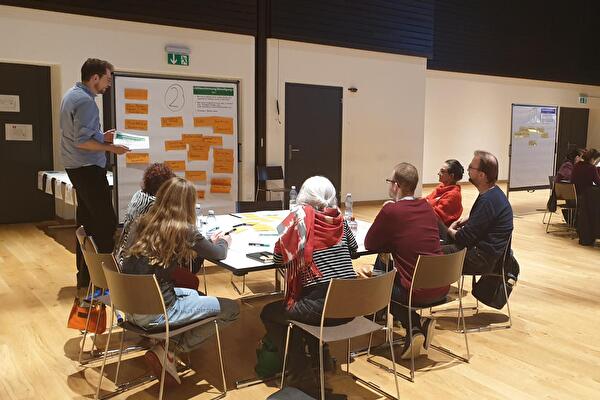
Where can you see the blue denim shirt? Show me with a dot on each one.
(80, 122)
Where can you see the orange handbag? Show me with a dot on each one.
(79, 314)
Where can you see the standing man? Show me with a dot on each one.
(83, 147)
(487, 230)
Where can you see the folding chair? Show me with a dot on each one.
(341, 301)
(476, 307)
(433, 272)
(568, 193)
(93, 260)
(551, 179)
(264, 174)
(141, 294)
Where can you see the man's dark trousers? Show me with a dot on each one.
(94, 211)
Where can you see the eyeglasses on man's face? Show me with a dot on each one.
(475, 168)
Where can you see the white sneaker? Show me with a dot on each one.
(413, 347)
(155, 357)
(428, 325)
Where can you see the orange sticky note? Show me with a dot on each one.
(136, 94)
(171, 122)
(223, 167)
(131, 108)
(137, 158)
(192, 138)
(220, 189)
(136, 124)
(175, 145)
(213, 140)
(195, 175)
(223, 155)
(223, 125)
(200, 194)
(198, 151)
(220, 181)
(204, 121)
(178, 165)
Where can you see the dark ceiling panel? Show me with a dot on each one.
(392, 26)
(234, 16)
(551, 40)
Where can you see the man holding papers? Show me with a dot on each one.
(83, 147)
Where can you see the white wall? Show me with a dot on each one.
(382, 122)
(465, 112)
(64, 41)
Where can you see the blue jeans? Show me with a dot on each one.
(189, 307)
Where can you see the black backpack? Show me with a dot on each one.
(489, 289)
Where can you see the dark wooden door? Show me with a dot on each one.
(313, 133)
(572, 131)
(25, 142)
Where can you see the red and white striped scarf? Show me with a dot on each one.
(302, 232)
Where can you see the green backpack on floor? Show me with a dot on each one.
(268, 359)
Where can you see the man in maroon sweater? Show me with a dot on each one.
(407, 227)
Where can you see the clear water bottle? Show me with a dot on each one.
(348, 207)
(353, 225)
(199, 217)
(211, 224)
(293, 196)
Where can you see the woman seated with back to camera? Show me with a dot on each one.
(446, 199)
(315, 244)
(161, 240)
(585, 173)
(566, 168)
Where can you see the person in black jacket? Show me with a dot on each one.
(487, 230)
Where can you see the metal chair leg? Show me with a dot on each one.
(87, 321)
(120, 356)
(394, 368)
(410, 337)
(104, 358)
(287, 342)
(164, 369)
(322, 369)
(221, 358)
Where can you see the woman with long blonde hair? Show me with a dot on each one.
(164, 239)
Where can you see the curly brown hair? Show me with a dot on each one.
(154, 176)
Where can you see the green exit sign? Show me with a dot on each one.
(178, 59)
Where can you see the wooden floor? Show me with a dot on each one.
(552, 350)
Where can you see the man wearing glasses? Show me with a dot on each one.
(406, 227)
(83, 149)
(487, 230)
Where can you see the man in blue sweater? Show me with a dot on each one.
(487, 230)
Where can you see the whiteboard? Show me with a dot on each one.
(192, 126)
(532, 147)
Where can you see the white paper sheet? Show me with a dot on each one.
(134, 142)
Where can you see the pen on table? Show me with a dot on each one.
(242, 224)
(228, 232)
(233, 215)
(259, 244)
(268, 234)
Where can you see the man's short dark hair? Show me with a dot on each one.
(590, 154)
(455, 168)
(94, 66)
(406, 176)
(488, 164)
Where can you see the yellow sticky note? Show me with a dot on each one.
(200, 194)
(220, 189)
(223, 167)
(192, 138)
(131, 108)
(136, 94)
(203, 121)
(263, 228)
(171, 122)
(223, 154)
(137, 158)
(213, 140)
(136, 124)
(198, 151)
(177, 165)
(195, 175)
(223, 125)
(175, 145)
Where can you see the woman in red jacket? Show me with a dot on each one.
(445, 198)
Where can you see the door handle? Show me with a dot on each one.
(291, 150)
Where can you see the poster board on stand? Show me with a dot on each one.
(191, 125)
